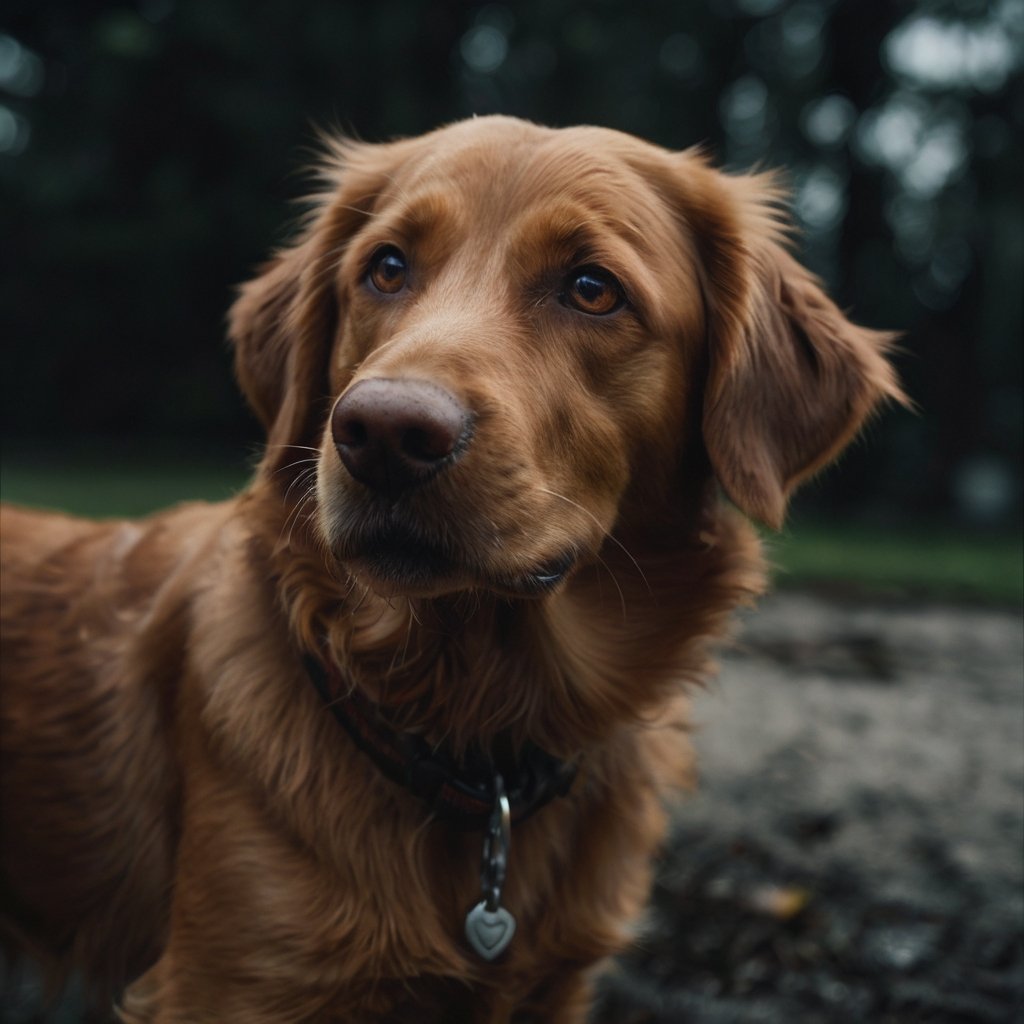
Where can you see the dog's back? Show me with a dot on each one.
(92, 642)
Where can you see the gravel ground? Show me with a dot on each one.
(856, 850)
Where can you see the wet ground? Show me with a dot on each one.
(855, 854)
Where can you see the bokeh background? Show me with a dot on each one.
(149, 151)
(854, 854)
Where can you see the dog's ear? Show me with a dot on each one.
(281, 326)
(790, 378)
(284, 321)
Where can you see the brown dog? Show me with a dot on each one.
(251, 751)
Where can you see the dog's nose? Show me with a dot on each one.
(394, 435)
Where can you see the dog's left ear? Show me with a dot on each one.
(791, 380)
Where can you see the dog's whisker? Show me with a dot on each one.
(292, 465)
(295, 520)
(298, 447)
(302, 479)
(611, 574)
(299, 510)
(605, 534)
(307, 484)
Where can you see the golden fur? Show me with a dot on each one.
(182, 814)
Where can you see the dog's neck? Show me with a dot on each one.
(561, 672)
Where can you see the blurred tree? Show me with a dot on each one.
(148, 149)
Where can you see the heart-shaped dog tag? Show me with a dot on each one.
(489, 931)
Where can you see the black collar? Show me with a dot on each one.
(460, 793)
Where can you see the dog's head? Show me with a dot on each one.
(502, 339)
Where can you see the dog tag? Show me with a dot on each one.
(489, 931)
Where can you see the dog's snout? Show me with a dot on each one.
(393, 435)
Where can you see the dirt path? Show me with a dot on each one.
(855, 852)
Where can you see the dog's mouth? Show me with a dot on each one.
(541, 579)
(395, 560)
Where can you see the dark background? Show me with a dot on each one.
(149, 152)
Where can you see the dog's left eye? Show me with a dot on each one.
(594, 291)
(388, 270)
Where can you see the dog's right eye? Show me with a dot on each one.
(594, 291)
(388, 270)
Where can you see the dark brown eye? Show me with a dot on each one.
(388, 270)
(594, 291)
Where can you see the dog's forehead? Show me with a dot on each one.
(496, 156)
(501, 171)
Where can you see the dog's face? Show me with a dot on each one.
(501, 337)
(505, 360)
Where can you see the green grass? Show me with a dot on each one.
(925, 563)
(118, 488)
(939, 563)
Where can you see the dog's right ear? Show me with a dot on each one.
(284, 321)
(280, 326)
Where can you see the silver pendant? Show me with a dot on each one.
(489, 926)
(489, 931)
